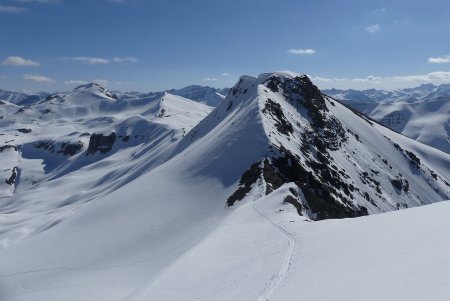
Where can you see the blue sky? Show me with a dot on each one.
(161, 44)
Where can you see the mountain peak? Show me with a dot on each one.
(95, 88)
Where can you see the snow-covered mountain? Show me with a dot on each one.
(79, 146)
(186, 203)
(206, 95)
(421, 113)
(21, 98)
(422, 93)
(203, 94)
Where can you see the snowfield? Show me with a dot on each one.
(164, 198)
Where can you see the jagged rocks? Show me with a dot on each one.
(322, 196)
(7, 147)
(245, 184)
(12, 179)
(101, 143)
(400, 184)
(68, 149)
(281, 122)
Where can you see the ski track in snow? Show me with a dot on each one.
(276, 280)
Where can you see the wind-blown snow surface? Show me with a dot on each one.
(157, 225)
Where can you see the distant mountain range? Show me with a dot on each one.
(422, 93)
(421, 113)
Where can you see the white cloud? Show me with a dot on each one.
(100, 61)
(38, 79)
(88, 60)
(436, 76)
(373, 28)
(20, 62)
(383, 82)
(307, 51)
(325, 79)
(75, 82)
(225, 74)
(12, 9)
(439, 60)
(369, 78)
(128, 59)
(210, 79)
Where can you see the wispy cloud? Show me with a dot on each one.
(439, 60)
(383, 82)
(20, 62)
(225, 74)
(325, 79)
(100, 61)
(210, 79)
(87, 60)
(373, 28)
(307, 51)
(128, 59)
(38, 79)
(369, 78)
(440, 76)
(9, 9)
(75, 82)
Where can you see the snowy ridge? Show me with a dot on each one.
(281, 118)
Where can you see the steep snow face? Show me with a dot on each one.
(284, 130)
(69, 149)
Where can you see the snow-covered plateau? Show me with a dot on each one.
(280, 192)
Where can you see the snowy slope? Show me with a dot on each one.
(203, 210)
(397, 256)
(79, 146)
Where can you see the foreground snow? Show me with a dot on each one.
(401, 255)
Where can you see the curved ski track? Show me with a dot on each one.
(276, 280)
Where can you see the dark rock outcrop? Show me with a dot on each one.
(101, 143)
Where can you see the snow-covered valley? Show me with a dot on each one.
(278, 193)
